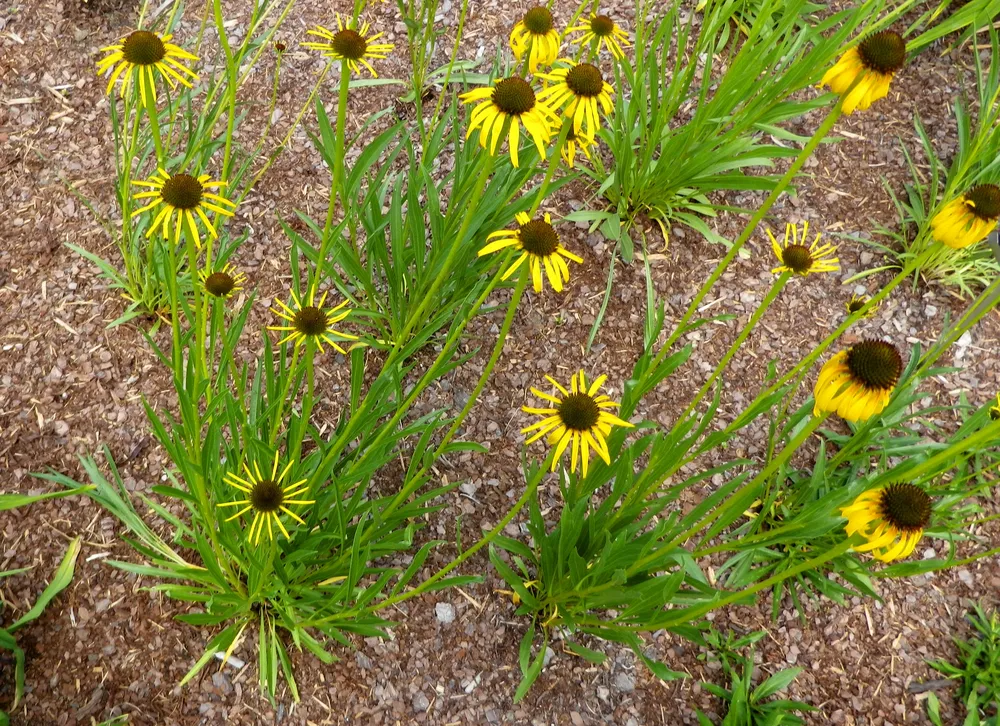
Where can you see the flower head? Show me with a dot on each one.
(535, 34)
(268, 499)
(145, 54)
(223, 282)
(311, 322)
(572, 142)
(539, 244)
(891, 518)
(873, 62)
(857, 303)
(578, 419)
(797, 258)
(602, 29)
(510, 102)
(584, 92)
(995, 410)
(968, 219)
(857, 383)
(353, 47)
(186, 196)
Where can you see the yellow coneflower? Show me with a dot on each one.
(875, 60)
(539, 243)
(267, 498)
(602, 29)
(145, 54)
(222, 283)
(572, 142)
(354, 47)
(578, 420)
(510, 102)
(968, 219)
(583, 90)
(311, 322)
(857, 383)
(891, 518)
(857, 303)
(797, 258)
(535, 34)
(995, 410)
(186, 196)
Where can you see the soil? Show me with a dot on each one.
(70, 385)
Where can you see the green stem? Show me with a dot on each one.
(457, 243)
(555, 156)
(750, 228)
(154, 124)
(337, 173)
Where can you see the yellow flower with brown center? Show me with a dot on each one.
(535, 35)
(184, 196)
(968, 219)
(539, 244)
(873, 62)
(798, 258)
(353, 47)
(585, 143)
(857, 383)
(892, 519)
(995, 410)
(581, 88)
(578, 420)
(222, 283)
(310, 322)
(507, 105)
(267, 497)
(145, 55)
(602, 29)
(857, 303)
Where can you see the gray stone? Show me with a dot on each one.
(445, 612)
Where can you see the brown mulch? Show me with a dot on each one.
(69, 385)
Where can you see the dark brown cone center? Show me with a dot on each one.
(579, 412)
(875, 363)
(906, 507)
(310, 321)
(884, 52)
(219, 284)
(539, 238)
(585, 80)
(513, 96)
(182, 191)
(985, 199)
(143, 48)
(349, 44)
(538, 20)
(266, 496)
